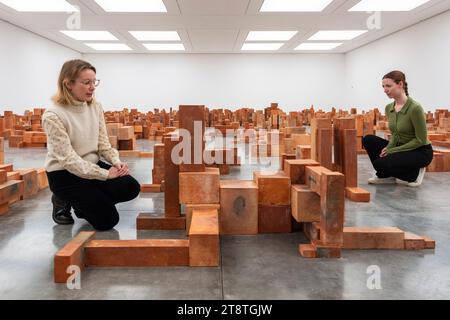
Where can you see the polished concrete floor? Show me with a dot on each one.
(252, 267)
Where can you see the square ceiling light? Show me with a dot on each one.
(156, 35)
(164, 46)
(40, 6)
(317, 46)
(337, 34)
(261, 46)
(132, 5)
(109, 46)
(89, 35)
(387, 5)
(294, 5)
(270, 35)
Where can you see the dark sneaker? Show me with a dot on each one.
(61, 211)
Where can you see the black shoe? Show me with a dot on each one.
(61, 211)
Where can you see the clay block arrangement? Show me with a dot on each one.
(307, 190)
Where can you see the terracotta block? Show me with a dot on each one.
(437, 164)
(307, 251)
(188, 116)
(373, 238)
(286, 156)
(303, 152)
(327, 251)
(31, 184)
(171, 179)
(14, 141)
(311, 231)
(301, 138)
(332, 200)
(148, 221)
(357, 194)
(274, 188)
(295, 169)
(198, 207)
(125, 133)
(200, 187)
(145, 154)
(429, 243)
(446, 154)
(313, 176)
(3, 176)
(158, 163)
(238, 207)
(204, 243)
(129, 153)
(137, 253)
(305, 204)
(274, 219)
(436, 137)
(317, 146)
(151, 188)
(129, 144)
(414, 242)
(42, 178)
(71, 254)
(6, 167)
(13, 175)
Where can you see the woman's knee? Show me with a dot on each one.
(132, 187)
(381, 165)
(106, 223)
(368, 140)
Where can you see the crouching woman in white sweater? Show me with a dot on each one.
(76, 139)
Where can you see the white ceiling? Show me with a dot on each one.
(219, 26)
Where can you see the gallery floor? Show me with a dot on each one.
(252, 267)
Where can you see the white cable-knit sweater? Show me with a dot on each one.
(76, 139)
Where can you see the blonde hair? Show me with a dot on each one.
(70, 71)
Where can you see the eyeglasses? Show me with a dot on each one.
(88, 83)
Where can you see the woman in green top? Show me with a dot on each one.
(404, 157)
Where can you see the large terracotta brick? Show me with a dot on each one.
(373, 238)
(198, 207)
(71, 254)
(31, 184)
(285, 156)
(295, 169)
(204, 242)
(158, 164)
(313, 176)
(303, 152)
(274, 219)
(238, 207)
(305, 204)
(332, 201)
(188, 115)
(171, 179)
(200, 187)
(137, 253)
(148, 221)
(125, 133)
(274, 188)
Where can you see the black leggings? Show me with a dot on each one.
(94, 200)
(402, 165)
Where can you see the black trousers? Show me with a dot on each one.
(94, 200)
(402, 165)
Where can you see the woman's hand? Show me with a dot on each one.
(113, 173)
(123, 169)
(383, 153)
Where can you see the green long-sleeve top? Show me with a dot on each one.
(408, 127)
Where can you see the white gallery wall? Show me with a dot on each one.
(219, 80)
(29, 67)
(421, 51)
